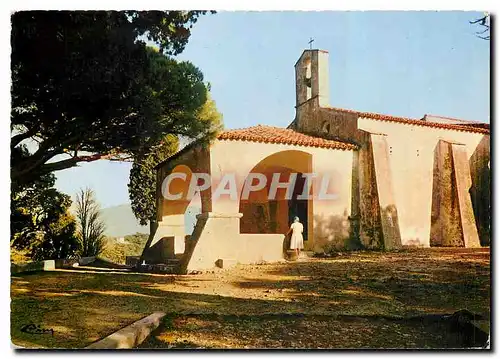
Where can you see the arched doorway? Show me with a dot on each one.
(264, 215)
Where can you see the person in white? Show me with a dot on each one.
(297, 241)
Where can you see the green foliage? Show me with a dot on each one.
(142, 184)
(209, 119)
(117, 252)
(90, 225)
(63, 242)
(84, 85)
(19, 256)
(41, 225)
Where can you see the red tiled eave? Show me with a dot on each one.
(277, 135)
(466, 127)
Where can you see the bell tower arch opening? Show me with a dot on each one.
(311, 77)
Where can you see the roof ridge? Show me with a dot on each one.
(457, 119)
(369, 113)
(254, 126)
(282, 135)
(413, 121)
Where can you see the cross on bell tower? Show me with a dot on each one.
(311, 40)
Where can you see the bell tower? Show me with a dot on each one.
(311, 78)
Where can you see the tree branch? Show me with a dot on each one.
(23, 176)
(482, 20)
(17, 139)
(71, 162)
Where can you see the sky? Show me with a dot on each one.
(398, 63)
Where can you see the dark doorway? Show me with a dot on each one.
(298, 207)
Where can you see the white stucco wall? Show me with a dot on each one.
(411, 153)
(241, 157)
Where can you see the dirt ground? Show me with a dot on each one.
(299, 331)
(354, 300)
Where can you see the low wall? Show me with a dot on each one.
(65, 263)
(32, 266)
(216, 237)
(256, 248)
(83, 261)
(48, 265)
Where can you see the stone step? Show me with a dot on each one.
(173, 261)
(159, 268)
(170, 261)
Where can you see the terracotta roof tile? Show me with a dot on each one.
(461, 122)
(270, 134)
(469, 127)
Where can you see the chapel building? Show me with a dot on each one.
(393, 182)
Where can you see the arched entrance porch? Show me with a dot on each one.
(264, 213)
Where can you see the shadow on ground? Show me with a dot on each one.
(300, 331)
(84, 306)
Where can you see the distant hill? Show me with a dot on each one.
(120, 221)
